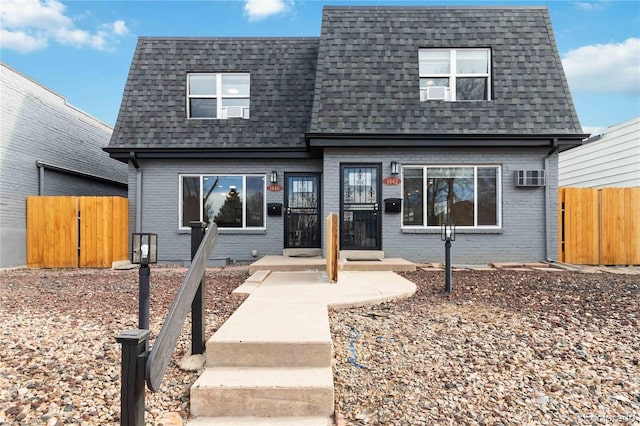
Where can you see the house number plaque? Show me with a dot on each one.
(391, 181)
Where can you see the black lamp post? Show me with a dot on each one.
(144, 251)
(447, 234)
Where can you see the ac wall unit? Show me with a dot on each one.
(436, 93)
(529, 178)
(232, 112)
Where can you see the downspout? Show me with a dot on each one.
(547, 197)
(134, 161)
(41, 178)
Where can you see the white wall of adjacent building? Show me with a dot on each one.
(611, 159)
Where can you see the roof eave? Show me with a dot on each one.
(124, 154)
(323, 140)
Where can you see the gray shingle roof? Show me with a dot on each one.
(367, 76)
(359, 78)
(153, 110)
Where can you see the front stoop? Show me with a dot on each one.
(268, 364)
(261, 421)
(263, 392)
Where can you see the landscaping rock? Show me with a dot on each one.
(505, 347)
(59, 360)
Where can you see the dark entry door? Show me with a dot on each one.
(302, 211)
(360, 200)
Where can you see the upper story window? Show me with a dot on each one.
(455, 74)
(221, 95)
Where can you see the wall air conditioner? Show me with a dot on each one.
(437, 93)
(525, 178)
(232, 112)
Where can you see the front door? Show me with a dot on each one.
(360, 204)
(302, 211)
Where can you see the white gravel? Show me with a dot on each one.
(505, 348)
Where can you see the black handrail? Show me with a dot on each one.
(165, 343)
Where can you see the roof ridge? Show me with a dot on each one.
(186, 38)
(413, 7)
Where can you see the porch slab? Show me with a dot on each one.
(285, 263)
(292, 264)
(386, 264)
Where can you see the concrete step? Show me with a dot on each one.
(268, 333)
(362, 254)
(263, 392)
(387, 264)
(260, 421)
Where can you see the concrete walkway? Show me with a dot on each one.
(270, 363)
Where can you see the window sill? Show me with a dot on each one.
(458, 230)
(257, 231)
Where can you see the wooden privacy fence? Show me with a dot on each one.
(599, 226)
(71, 232)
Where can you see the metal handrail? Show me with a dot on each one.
(165, 343)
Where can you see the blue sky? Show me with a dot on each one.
(82, 49)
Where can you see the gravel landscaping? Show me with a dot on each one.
(506, 347)
(59, 361)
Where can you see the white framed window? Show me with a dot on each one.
(231, 201)
(467, 196)
(218, 95)
(455, 74)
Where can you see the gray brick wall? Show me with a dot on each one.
(522, 237)
(160, 191)
(38, 124)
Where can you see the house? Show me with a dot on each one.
(609, 159)
(399, 119)
(47, 147)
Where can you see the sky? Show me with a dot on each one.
(82, 50)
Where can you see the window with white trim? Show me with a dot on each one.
(455, 74)
(467, 196)
(220, 95)
(231, 201)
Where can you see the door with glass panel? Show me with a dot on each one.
(360, 221)
(302, 210)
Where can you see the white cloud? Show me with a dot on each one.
(588, 6)
(30, 25)
(260, 9)
(22, 42)
(119, 27)
(605, 68)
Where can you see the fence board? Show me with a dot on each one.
(34, 236)
(121, 229)
(88, 229)
(600, 226)
(53, 233)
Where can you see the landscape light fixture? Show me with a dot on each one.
(144, 251)
(447, 234)
(144, 248)
(274, 176)
(395, 168)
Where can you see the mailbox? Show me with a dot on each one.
(392, 205)
(274, 209)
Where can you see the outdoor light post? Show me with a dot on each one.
(144, 251)
(447, 234)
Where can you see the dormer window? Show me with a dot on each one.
(220, 95)
(455, 74)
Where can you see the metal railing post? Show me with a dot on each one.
(447, 265)
(134, 357)
(143, 297)
(197, 306)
